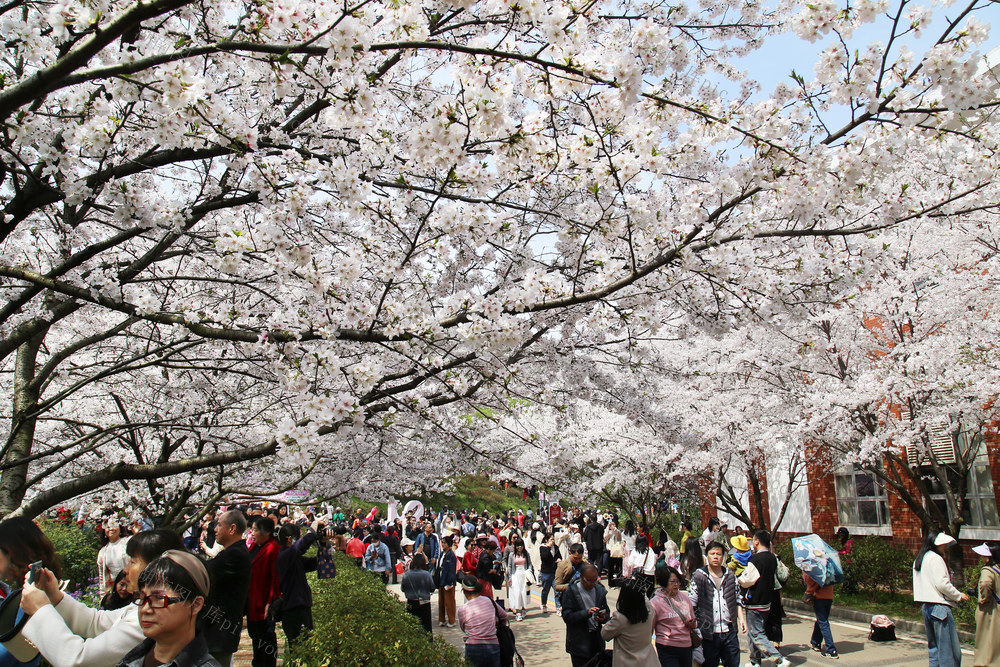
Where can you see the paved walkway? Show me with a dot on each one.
(540, 641)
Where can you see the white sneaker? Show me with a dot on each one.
(442, 624)
(449, 625)
(520, 616)
(784, 662)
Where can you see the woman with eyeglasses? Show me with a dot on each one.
(171, 598)
(673, 619)
(70, 634)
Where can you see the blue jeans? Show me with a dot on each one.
(723, 647)
(547, 582)
(821, 628)
(483, 655)
(942, 636)
(760, 646)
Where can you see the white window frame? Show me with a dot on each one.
(880, 498)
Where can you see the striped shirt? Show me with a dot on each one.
(477, 618)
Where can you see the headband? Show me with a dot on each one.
(193, 566)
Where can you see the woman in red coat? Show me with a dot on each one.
(263, 591)
(471, 557)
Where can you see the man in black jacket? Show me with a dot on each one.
(292, 565)
(395, 551)
(757, 582)
(584, 610)
(593, 537)
(713, 594)
(230, 574)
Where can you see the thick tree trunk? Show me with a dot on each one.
(22, 436)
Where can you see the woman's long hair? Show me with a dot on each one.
(632, 601)
(641, 544)
(629, 528)
(693, 558)
(662, 537)
(113, 600)
(24, 543)
(927, 546)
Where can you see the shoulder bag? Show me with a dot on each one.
(695, 634)
(509, 656)
(780, 574)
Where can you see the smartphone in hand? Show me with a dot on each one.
(33, 571)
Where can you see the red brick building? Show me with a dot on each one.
(830, 495)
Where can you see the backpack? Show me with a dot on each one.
(509, 657)
(882, 629)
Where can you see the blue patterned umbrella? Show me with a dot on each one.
(818, 559)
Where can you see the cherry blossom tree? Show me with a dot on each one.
(367, 221)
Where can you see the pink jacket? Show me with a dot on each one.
(670, 628)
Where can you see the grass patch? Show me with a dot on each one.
(476, 492)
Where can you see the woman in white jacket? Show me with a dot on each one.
(533, 542)
(642, 562)
(112, 558)
(561, 534)
(932, 587)
(70, 634)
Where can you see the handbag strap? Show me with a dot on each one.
(496, 611)
(669, 602)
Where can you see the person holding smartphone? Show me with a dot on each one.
(584, 610)
(24, 552)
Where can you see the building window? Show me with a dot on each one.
(980, 503)
(861, 499)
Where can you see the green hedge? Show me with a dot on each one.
(965, 612)
(358, 622)
(877, 565)
(77, 550)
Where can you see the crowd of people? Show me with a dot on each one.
(168, 598)
(693, 598)
(181, 599)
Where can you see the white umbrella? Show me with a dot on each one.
(416, 506)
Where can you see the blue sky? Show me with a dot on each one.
(774, 61)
